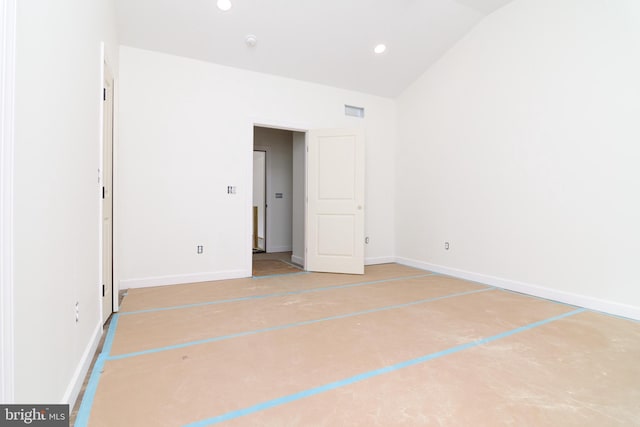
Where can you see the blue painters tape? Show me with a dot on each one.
(268, 276)
(108, 342)
(278, 294)
(291, 325)
(566, 304)
(370, 374)
(82, 419)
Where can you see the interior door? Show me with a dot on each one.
(335, 206)
(107, 198)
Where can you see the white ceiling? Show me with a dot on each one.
(324, 41)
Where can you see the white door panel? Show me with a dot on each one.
(335, 236)
(335, 209)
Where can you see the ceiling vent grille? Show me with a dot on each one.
(350, 110)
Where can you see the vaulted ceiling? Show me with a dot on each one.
(324, 41)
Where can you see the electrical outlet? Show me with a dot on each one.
(446, 246)
(77, 311)
(200, 249)
(366, 240)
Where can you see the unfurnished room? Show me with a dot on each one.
(319, 213)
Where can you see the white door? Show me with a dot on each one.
(107, 198)
(335, 206)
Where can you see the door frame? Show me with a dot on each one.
(273, 124)
(7, 144)
(265, 215)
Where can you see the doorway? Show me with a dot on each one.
(314, 199)
(278, 191)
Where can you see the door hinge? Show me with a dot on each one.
(103, 191)
(104, 93)
(104, 290)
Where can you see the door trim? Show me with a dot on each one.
(267, 179)
(114, 189)
(7, 144)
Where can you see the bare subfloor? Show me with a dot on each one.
(397, 346)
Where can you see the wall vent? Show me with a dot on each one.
(350, 110)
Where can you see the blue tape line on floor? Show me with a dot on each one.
(92, 386)
(87, 401)
(108, 342)
(292, 325)
(278, 294)
(268, 276)
(370, 374)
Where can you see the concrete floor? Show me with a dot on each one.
(397, 346)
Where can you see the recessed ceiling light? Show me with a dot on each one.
(251, 40)
(380, 49)
(224, 5)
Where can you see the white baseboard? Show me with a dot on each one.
(75, 385)
(297, 260)
(148, 282)
(379, 260)
(271, 249)
(610, 307)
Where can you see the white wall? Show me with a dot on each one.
(520, 148)
(58, 97)
(279, 180)
(299, 185)
(186, 133)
